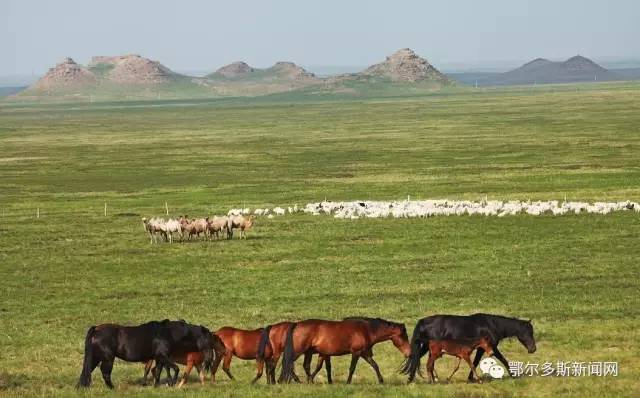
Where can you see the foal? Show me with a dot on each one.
(462, 349)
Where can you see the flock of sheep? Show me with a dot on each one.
(243, 219)
(431, 208)
(207, 227)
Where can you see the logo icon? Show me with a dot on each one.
(492, 368)
(486, 364)
(496, 371)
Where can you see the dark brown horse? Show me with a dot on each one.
(455, 327)
(462, 349)
(355, 336)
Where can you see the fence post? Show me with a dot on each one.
(105, 209)
(38, 212)
(166, 207)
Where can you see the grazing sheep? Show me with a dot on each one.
(239, 222)
(279, 211)
(430, 208)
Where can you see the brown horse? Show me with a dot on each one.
(355, 336)
(271, 347)
(242, 344)
(462, 349)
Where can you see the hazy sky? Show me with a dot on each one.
(204, 35)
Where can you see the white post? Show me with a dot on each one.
(105, 209)
(166, 208)
(38, 212)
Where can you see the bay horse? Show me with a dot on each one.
(240, 343)
(462, 349)
(152, 340)
(355, 336)
(456, 327)
(191, 360)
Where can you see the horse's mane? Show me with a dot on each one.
(503, 324)
(375, 323)
(498, 317)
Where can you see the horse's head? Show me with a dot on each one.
(400, 339)
(525, 336)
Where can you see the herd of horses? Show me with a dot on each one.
(162, 344)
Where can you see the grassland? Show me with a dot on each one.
(575, 276)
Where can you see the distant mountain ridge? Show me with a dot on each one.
(543, 71)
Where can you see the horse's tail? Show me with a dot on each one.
(262, 345)
(288, 357)
(209, 359)
(87, 363)
(412, 364)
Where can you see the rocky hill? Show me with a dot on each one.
(290, 71)
(66, 74)
(405, 66)
(131, 69)
(283, 71)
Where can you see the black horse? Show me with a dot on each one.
(447, 327)
(153, 340)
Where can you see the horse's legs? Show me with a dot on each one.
(352, 367)
(162, 360)
(327, 365)
(476, 361)
(369, 358)
(500, 357)
(272, 363)
(226, 365)
(105, 367)
(318, 366)
(185, 374)
(431, 365)
(473, 369)
(200, 370)
(455, 370)
(306, 365)
(147, 369)
(259, 370)
(271, 371)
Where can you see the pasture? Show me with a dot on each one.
(576, 276)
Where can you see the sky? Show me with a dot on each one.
(204, 35)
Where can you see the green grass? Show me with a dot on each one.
(575, 276)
